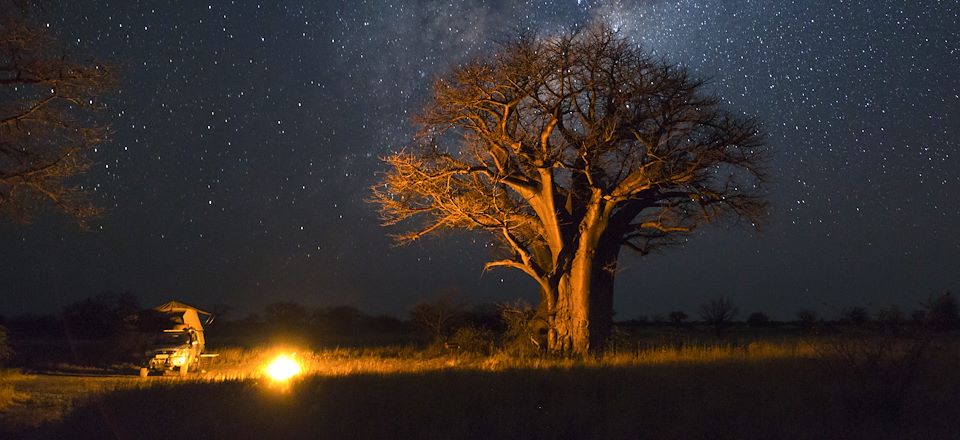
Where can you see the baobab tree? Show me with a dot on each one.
(46, 127)
(566, 149)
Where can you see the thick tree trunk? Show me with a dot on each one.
(582, 318)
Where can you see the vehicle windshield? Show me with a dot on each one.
(171, 339)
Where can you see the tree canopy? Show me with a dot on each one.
(566, 148)
(47, 129)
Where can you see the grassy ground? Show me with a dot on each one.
(46, 398)
(829, 388)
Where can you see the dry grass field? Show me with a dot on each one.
(813, 389)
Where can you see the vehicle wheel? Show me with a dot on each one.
(144, 372)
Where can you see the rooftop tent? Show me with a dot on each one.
(175, 306)
(189, 316)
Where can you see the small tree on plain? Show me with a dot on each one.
(855, 315)
(942, 312)
(678, 317)
(5, 351)
(808, 318)
(758, 319)
(718, 313)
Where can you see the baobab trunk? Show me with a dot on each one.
(583, 315)
(582, 319)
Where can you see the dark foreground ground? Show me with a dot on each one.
(761, 399)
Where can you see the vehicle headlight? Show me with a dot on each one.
(179, 358)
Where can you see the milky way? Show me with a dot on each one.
(246, 135)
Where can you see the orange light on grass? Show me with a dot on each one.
(283, 368)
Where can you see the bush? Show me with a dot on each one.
(439, 318)
(758, 319)
(472, 340)
(678, 318)
(5, 351)
(855, 316)
(942, 313)
(808, 319)
(522, 335)
(875, 373)
(101, 316)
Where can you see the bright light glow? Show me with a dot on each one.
(283, 368)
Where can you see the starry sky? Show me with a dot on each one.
(246, 135)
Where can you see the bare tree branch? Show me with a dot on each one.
(46, 129)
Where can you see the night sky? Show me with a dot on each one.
(246, 136)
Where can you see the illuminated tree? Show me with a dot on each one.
(566, 149)
(47, 130)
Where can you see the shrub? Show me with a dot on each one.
(5, 351)
(439, 318)
(855, 315)
(101, 316)
(875, 373)
(942, 313)
(678, 318)
(808, 319)
(758, 319)
(472, 340)
(523, 335)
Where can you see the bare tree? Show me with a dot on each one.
(566, 149)
(718, 313)
(47, 130)
(440, 317)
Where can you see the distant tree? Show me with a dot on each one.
(855, 315)
(220, 311)
(386, 324)
(338, 319)
(942, 312)
(565, 149)
(808, 318)
(285, 314)
(891, 317)
(718, 313)
(678, 318)
(47, 129)
(252, 319)
(658, 319)
(441, 317)
(918, 317)
(5, 351)
(485, 316)
(35, 325)
(100, 316)
(758, 319)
